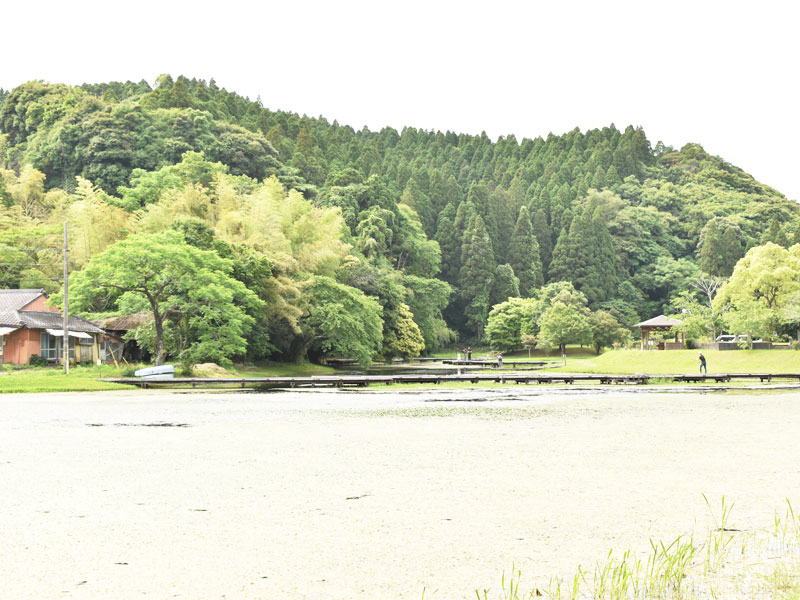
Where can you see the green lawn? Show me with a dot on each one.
(85, 379)
(277, 369)
(536, 354)
(579, 360)
(685, 361)
(51, 379)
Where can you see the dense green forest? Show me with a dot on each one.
(269, 234)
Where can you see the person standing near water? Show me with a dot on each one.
(702, 360)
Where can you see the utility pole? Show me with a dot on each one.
(65, 344)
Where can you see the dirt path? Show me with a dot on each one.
(367, 495)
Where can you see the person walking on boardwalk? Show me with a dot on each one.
(499, 360)
(702, 360)
(469, 352)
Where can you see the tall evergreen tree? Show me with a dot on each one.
(721, 246)
(559, 204)
(477, 276)
(443, 190)
(606, 263)
(544, 237)
(449, 244)
(502, 205)
(586, 256)
(559, 269)
(524, 257)
(465, 213)
(505, 286)
(421, 203)
(480, 197)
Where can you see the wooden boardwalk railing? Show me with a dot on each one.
(340, 381)
(493, 363)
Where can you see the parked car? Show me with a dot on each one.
(731, 338)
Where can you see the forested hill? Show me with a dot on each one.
(627, 222)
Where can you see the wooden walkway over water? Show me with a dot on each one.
(486, 362)
(493, 363)
(341, 381)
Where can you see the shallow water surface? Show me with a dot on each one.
(369, 493)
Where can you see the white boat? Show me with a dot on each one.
(162, 372)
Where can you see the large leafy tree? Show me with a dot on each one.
(174, 281)
(696, 307)
(563, 324)
(509, 321)
(341, 320)
(763, 283)
(564, 316)
(404, 339)
(428, 297)
(606, 330)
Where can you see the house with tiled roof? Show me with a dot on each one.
(28, 326)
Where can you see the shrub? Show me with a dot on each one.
(37, 361)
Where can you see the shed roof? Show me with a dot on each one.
(125, 322)
(660, 321)
(34, 319)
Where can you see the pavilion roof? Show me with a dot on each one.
(660, 321)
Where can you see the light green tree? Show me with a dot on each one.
(696, 319)
(509, 321)
(606, 330)
(762, 283)
(563, 324)
(404, 339)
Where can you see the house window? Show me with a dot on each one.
(50, 347)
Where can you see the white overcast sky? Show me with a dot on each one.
(721, 74)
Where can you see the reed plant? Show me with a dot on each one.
(728, 564)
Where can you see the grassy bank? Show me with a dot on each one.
(579, 360)
(725, 563)
(51, 379)
(685, 361)
(85, 379)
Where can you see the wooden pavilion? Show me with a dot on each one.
(661, 323)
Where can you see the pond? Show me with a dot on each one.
(371, 493)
